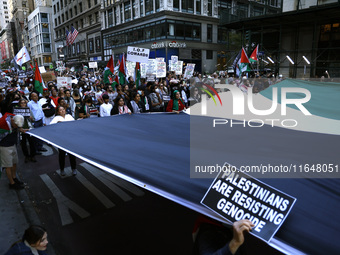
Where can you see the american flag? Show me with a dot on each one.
(71, 36)
(74, 34)
(68, 36)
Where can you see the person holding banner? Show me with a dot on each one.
(212, 238)
(61, 116)
(29, 155)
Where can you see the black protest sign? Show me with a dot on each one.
(235, 196)
(3, 84)
(25, 111)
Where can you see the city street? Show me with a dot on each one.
(95, 212)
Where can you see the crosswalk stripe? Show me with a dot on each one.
(112, 181)
(64, 203)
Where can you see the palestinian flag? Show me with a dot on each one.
(253, 56)
(115, 82)
(243, 63)
(122, 72)
(5, 125)
(109, 70)
(38, 82)
(137, 75)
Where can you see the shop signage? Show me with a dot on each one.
(172, 44)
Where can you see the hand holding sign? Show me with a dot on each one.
(239, 227)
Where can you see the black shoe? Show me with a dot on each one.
(62, 172)
(42, 149)
(16, 180)
(16, 186)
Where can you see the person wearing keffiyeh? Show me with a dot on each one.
(176, 104)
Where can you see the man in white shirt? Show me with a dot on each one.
(105, 108)
(37, 117)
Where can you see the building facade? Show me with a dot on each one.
(301, 41)
(85, 17)
(41, 36)
(5, 15)
(187, 29)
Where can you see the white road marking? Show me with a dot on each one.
(64, 203)
(112, 181)
(96, 192)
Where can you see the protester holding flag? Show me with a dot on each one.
(22, 56)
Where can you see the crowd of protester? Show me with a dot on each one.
(89, 97)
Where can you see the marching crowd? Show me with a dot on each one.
(22, 108)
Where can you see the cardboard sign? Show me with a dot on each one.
(179, 68)
(189, 71)
(130, 69)
(161, 70)
(64, 82)
(22, 111)
(235, 196)
(136, 54)
(93, 65)
(42, 69)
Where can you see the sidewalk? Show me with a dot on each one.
(16, 214)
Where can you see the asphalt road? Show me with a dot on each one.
(95, 212)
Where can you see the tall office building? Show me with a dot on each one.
(5, 15)
(40, 32)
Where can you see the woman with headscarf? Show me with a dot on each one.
(176, 104)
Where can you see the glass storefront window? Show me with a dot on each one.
(110, 18)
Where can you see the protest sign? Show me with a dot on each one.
(42, 69)
(22, 74)
(64, 82)
(189, 71)
(136, 54)
(3, 84)
(151, 68)
(143, 67)
(235, 196)
(25, 111)
(179, 68)
(93, 65)
(173, 63)
(60, 65)
(130, 69)
(161, 70)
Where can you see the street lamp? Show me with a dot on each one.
(307, 61)
(290, 60)
(270, 60)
